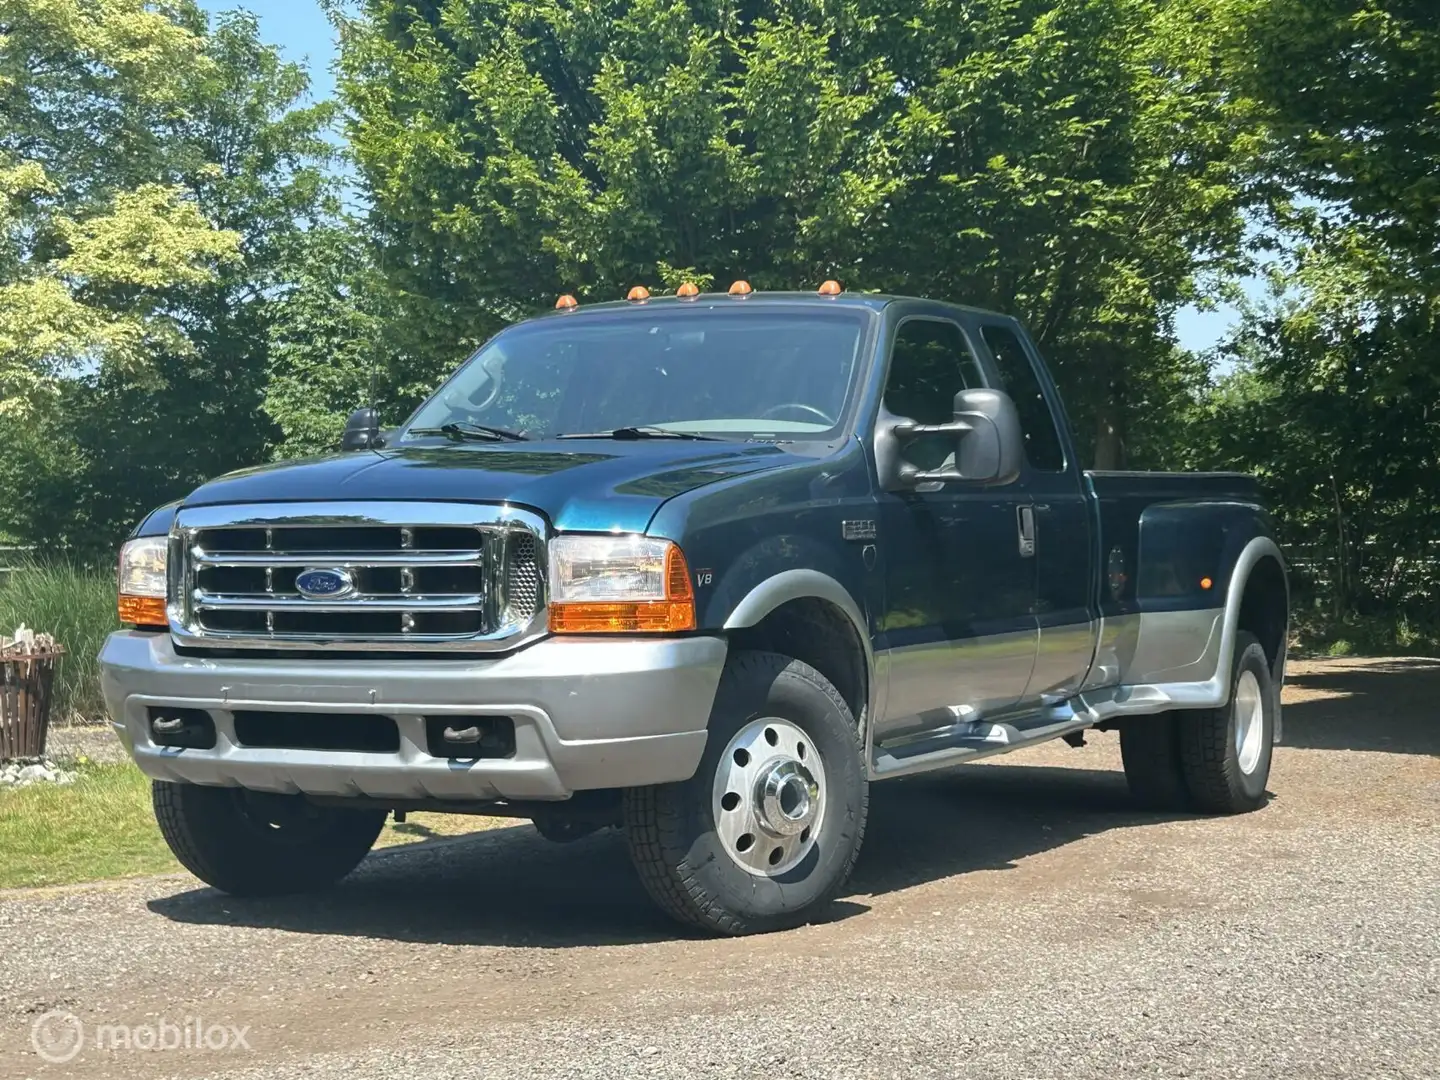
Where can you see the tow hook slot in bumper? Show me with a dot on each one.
(468, 738)
(187, 729)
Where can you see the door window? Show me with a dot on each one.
(930, 362)
(1042, 440)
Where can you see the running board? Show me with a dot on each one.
(969, 740)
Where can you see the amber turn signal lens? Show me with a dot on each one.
(638, 293)
(673, 614)
(687, 290)
(142, 610)
(741, 288)
(1205, 583)
(830, 288)
(566, 302)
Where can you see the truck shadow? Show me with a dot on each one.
(509, 887)
(1378, 705)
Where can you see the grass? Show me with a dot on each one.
(77, 606)
(101, 826)
(98, 827)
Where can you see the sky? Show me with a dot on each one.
(301, 30)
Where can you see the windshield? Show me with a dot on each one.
(744, 373)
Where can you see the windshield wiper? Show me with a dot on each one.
(463, 430)
(644, 432)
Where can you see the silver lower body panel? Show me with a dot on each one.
(588, 713)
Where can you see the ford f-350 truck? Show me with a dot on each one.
(700, 567)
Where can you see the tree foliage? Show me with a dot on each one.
(163, 175)
(91, 234)
(1076, 161)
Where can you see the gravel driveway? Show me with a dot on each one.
(1015, 919)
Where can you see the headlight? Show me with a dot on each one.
(619, 584)
(142, 581)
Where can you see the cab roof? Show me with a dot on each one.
(869, 301)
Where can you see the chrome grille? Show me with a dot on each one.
(416, 575)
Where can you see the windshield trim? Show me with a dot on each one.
(867, 319)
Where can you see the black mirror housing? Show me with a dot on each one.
(994, 450)
(362, 431)
(989, 443)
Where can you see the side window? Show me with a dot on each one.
(930, 362)
(1042, 440)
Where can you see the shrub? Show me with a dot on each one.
(77, 606)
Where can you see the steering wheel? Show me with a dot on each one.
(800, 405)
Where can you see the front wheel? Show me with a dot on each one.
(251, 843)
(767, 830)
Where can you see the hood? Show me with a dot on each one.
(579, 484)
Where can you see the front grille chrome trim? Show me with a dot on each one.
(510, 557)
(375, 603)
(345, 559)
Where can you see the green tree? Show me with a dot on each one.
(1334, 405)
(1079, 162)
(91, 234)
(220, 141)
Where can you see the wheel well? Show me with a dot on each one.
(1265, 609)
(820, 634)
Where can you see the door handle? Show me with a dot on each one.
(1025, 516)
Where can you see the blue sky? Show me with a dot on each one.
(300, 28)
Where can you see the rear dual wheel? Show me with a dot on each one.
(767, 830)
(1215, 761)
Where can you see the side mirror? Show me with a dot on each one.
(989, 445)
(362, 431)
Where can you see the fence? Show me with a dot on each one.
(10, 560)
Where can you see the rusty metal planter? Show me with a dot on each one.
(27, 684)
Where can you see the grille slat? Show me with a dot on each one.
(205, 601)
(346, 559)
(412, 582)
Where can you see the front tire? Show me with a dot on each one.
(250, 843)
(768, 829)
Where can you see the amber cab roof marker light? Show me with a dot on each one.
(830, 288)
(741, 288)
(638, 295)
(688, 291)
(566, 303)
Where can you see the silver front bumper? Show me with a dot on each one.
(588, 714)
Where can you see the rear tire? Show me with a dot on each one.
(768, 829)
(249, 843)
(1225, 753)
(1150, 751)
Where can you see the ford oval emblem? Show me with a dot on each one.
(324, 584)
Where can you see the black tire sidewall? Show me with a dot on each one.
(758, 685)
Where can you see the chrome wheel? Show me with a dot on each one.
(1249, 710)
(769, 796)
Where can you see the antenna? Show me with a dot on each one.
(377, 439)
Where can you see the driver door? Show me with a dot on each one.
(958, 625)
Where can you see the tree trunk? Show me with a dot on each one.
(1109, 445)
